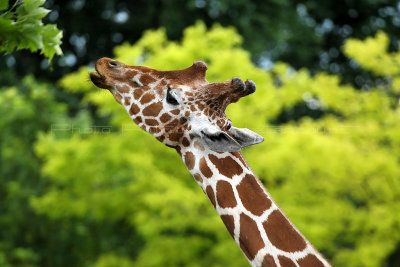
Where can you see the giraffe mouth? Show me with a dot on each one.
(99, 80)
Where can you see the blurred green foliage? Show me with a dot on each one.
(28, 108)
(301, 33)
(21, 27)
(75, 195)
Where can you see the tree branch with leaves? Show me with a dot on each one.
(21, 27)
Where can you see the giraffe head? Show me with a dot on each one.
(178, 107)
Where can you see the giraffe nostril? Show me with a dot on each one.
(114, 64)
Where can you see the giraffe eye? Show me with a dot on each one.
(171, 98)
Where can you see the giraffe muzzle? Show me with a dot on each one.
(105, 67)
(98, 80)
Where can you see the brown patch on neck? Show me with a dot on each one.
(210, 194)
(225, 195)
(160, 138)
(118, 97)
(183, 120)
(138, 120)
(127, 101)
(146, 79)
(229, 223)
(151, 122)
(205, 170)
(175, 137)
(175, 111)
(200, 105)
(154, 130)
(268, 261)
(226, 166)
(190, 160)
(134, 109)
(137, 93)
(282, 234)
(185, 142)
(253, 196)
(171, 125)
(198, 177)
(153, 110)
(123, 88)
(250, 237)
(165, 117)
(310, 260)
(286, 262)
(146, 98)
(240, 157)
(178, 149)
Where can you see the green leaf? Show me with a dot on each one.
(31, 11)
(24, 29)
(31, 38)
(29, 6)
(51, 41)
(38, 13)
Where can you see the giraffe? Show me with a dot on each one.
(185, 112)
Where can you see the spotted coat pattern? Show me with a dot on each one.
(177, 107)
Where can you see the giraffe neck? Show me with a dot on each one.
(258, 226)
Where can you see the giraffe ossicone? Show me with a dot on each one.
(184, 111)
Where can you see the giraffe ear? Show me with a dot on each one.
(245, 137)
(219, 141)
